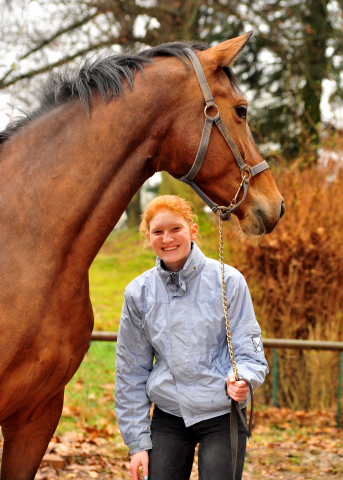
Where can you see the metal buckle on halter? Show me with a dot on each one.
(246, 170)
(246, 175)
(222, 212)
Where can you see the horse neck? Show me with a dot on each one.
(75, 175)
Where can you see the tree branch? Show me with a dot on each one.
(47, 41)
(46, 68)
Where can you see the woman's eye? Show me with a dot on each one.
(242, 111)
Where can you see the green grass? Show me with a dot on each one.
(120, 260)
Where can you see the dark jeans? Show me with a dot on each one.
(171, 457)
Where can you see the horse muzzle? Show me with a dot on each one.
(261, 220)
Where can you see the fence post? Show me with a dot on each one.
(275, 377)
(339, 390)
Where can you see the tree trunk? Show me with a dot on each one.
(317, 30)
(133, 210)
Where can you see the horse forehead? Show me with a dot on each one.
(218, 81)
(222, 86)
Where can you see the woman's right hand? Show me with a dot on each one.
(137, 460)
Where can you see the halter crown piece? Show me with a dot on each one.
(246, 172)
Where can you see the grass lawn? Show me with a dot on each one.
(120, 260)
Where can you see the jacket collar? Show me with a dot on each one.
(193, 266)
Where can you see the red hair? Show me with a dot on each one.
(174, 204)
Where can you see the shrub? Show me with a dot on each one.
(295, 279)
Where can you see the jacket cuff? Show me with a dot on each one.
(140, 445)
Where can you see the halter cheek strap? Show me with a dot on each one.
(246, 171)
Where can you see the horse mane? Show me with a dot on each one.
(106, 74)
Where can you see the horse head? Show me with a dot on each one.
(229, 156)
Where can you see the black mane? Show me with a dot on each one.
(104, 74)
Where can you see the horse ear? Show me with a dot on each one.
(225, 53)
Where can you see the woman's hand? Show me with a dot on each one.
(237, 389)
(137, 460)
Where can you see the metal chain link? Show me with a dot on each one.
(224, 297)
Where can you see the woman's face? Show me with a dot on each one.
(170, 236)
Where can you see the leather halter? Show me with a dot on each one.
(247, 172)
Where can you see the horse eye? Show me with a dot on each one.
(241, 111)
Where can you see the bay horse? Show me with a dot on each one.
(68, 171)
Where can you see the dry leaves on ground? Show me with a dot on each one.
(285, 445)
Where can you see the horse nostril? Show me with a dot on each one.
(282, 209)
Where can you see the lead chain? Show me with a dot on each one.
(224, 297)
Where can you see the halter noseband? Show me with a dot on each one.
(246, 171)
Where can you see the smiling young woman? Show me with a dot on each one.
(172, 352)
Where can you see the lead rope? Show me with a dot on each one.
(235, 409)
(224, 297)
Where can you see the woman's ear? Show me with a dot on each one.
(148, 238)
(194, 231)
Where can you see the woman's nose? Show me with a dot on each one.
(168, 238)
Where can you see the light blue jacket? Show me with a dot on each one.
(177, 318)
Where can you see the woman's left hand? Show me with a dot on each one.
(237, 389)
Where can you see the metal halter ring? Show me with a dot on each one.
(211, 106)
(246, 173)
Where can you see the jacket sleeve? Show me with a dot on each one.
(133, 365)
(246, 335)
